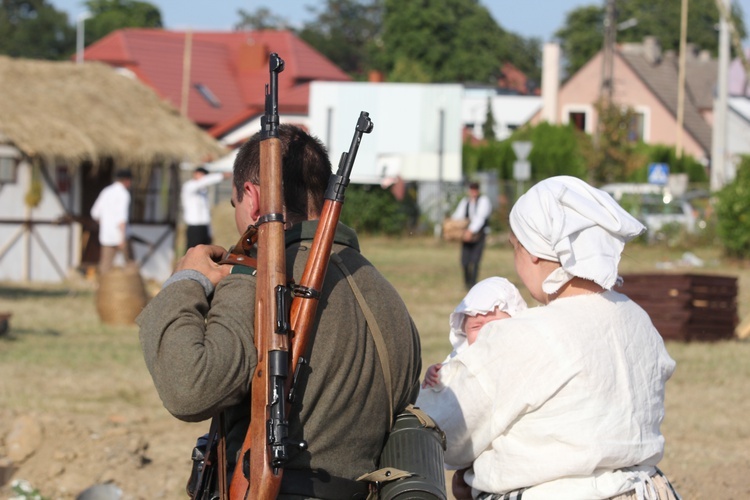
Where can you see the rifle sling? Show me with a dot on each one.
(377, 335)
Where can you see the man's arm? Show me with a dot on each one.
(207, 180)
(200, 353)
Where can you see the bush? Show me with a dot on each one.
(659, 153)
(733, 213)
(556, 150)
(371, 209)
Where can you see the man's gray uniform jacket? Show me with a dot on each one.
(201, 356)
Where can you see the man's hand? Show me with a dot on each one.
(469, 237)
(204, 258)
(461, 490)
(431, 377)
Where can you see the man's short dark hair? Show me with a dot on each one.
(201, 170)
(473, 185)
(123, 173)
(305, 165)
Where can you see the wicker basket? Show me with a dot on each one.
(121, 296)
(453, 230)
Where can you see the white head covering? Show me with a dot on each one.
(565, 220)
(481, 299)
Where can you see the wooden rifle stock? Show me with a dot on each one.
(258, 472)
(307, 293)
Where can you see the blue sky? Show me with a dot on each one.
(538, 18)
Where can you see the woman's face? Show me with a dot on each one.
(530, 269)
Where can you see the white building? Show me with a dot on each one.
(509, 111)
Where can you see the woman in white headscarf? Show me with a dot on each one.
(564, 401)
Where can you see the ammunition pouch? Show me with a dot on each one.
(411, 463)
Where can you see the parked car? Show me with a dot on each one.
(654, 207)
(655, 213)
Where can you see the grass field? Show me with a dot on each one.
(58, 363)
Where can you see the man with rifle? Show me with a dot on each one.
(197, 336)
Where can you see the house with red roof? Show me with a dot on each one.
(218, 79)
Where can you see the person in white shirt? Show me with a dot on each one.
(477, 209)
(489, 300)
(196, 210)
(112, 211)
(563, 401)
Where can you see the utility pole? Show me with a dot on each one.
(187, 56)
(719, 138)
(606, 88)
(681, 80)
(608, 51)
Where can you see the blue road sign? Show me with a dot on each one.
(658, 173)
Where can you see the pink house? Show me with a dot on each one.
(645, 79)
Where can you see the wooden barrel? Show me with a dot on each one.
(121, 296)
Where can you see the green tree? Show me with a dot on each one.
(34, 29)
(260, 19)
(453, 40)
(488, 127)
(733, 213)
(613, 154)
(346, 32)
(408, 72)
(556, 150)
(111, 15)
(582, 35)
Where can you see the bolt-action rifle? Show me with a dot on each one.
(307, 293)
(279, 319)
(258, 472)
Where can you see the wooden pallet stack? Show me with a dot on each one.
(686, 307)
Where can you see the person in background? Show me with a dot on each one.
(196, 210)
(564, 401)
(477, 208)
(112, 211)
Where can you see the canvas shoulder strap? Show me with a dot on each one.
(377, 335)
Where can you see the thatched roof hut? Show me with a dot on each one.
(69, 112)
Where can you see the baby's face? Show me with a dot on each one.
(473, 324)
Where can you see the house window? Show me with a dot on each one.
(637, 127)
(209, 96)
(578, 120)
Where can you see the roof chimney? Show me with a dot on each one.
(375, 76)
(251, 57)
(550, 81)
(652, 49)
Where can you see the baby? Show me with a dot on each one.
(489, 300)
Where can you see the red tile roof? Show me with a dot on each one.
(233, 66)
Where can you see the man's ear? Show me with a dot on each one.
(251, 190)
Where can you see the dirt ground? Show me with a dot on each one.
(78, 407)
